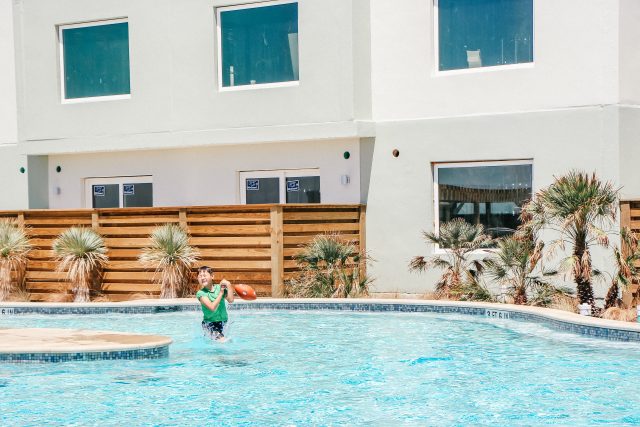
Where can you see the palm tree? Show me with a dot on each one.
(579, 208)
(172, 257)
(81, 253)
(459, 238)
(515, 263)
(14, 248)
(627, 257)
(331, 268)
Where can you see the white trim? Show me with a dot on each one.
(505, 67)
(63, 27)
(120, 180)
(468, 164)
(281, 174)
(221, 9)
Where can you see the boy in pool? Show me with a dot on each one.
(212, 300)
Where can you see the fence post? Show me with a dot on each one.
(277, 252)
(362, 230)
(182, 215)
(95, 222)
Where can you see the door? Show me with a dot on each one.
(280, 186)
(119, 192)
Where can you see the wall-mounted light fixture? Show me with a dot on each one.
(22, 169)
(346, 154)
(345, 179)
(58, 169)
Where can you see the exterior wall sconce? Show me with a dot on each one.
(345, 179)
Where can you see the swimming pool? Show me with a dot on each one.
(332, 368)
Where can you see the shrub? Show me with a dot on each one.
(330, 268)
(172, 258)
(81, 253)
(14, 248)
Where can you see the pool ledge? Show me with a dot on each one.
(63, 345)
(555, 319)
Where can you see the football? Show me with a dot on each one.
(245, 292)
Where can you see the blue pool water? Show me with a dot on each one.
(332, 368)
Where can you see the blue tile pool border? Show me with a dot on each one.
(628, 334)
(85, 356)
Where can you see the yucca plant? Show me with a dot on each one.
(627, 258)
(82, 254)
(330, 268)
(580, 209)
(14, 248)
(460, 239)
(172, 257)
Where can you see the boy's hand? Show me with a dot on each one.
(225, 284)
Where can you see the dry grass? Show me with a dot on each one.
(18, 295)
(431, 295)
(61, 298)
(100, 298)
(624, 315)
(565, 303)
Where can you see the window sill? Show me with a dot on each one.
(477, 70)
(95, 99)
(259, 86)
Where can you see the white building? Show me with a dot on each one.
(409, 106)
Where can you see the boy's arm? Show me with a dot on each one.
(230, 292)
(211, 305)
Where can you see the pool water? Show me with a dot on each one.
(331, 368)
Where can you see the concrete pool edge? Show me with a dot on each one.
(556, 319)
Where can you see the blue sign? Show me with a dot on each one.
(253, 184)
(99, 190)
(129, 189)
(293, 185)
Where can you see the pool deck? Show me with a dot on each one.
(57, 345)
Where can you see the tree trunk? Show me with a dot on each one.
(612, 299)
(520, 296)
(582, 273)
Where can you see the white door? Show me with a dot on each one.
(118, 192)
(280, 186)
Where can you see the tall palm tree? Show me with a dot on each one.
(627, 257)
(581, 209)
(172, 257)
(81, 253)
(14, 248)
(459, 238)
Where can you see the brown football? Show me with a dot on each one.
(245, 292)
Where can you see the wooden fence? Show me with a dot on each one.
(252, 244)
(630, 217)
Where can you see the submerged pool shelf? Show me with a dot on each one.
(555, 319)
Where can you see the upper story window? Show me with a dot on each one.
(483, 33)
(487, 193)
(95, 60)
(258, 44)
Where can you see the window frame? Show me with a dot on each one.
(120, 180)
(63, 27)
(218, 12)
(469, 164)
(281, 174)
(505, 67)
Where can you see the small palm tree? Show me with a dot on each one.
(82, 254)
(172, 258)
(627, 258)
(514, 264)
(579, 208)
(331, 268)
(14, 248)
(460, 239)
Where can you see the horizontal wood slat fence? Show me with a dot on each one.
(252, 244)
(630, 218)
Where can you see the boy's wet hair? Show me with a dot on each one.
(206, 268)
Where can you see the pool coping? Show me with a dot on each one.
(555, 319)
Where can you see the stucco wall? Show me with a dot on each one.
(576, 63)
(208, 176)
(173, 72)
(401, 193)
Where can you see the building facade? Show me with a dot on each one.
(425, 110)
